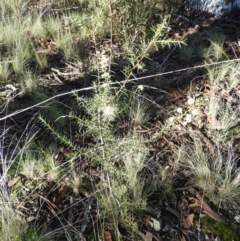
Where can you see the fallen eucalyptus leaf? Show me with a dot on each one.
(208, 210)
(107, 236)
(30, 219)
(188, 221)
(13, 181)
(148, 237)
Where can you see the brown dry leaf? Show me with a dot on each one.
(197, 209)
(107, 236)
(30, 219)
(140, 234)
(226, 96)
(177, 36)
(50, 206)
(203, 203)
(46, 43)
(186, 212)
(188, 222)
(183, 204)
(13, 181)
(218, 91)
(174, 94)
(215, 216)
(148, 237)
(182, 238)
(60, 194)
(208, 210)
(70, 211)
(22, 207)
(193, 205)
(201, 113)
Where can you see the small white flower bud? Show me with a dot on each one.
(188, 118)
(191, 101)
(184, 123)
(195, 112)
(179, 110)
(140, 87)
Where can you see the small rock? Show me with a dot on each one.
(166, 226)
(156, 224)
(237, 218)
(206, 237)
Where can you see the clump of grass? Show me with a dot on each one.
(139, 111)
(218, 74)
(5, 71)
(221, 108)
(186, 53)
(29, 82)
(215, 173)
(13, 28)
(42, 59)
(226, 75)
(19, 59)
(17, 7)
(201, 51)
(31, 168)
(224, 119)
(163, 180)
(38, 29)
(66, 43)
(217, 45)
(12, 228)
(125, 199)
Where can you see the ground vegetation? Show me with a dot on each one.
(119, 121)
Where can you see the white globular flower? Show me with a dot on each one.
(184, 123)
(105, 85)
(105, 75)
(140, 87)
(104, 62)
(191, 101)
(195, 112)
(179, 110)
(188, 118)
(108, 112)
(172, 118)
